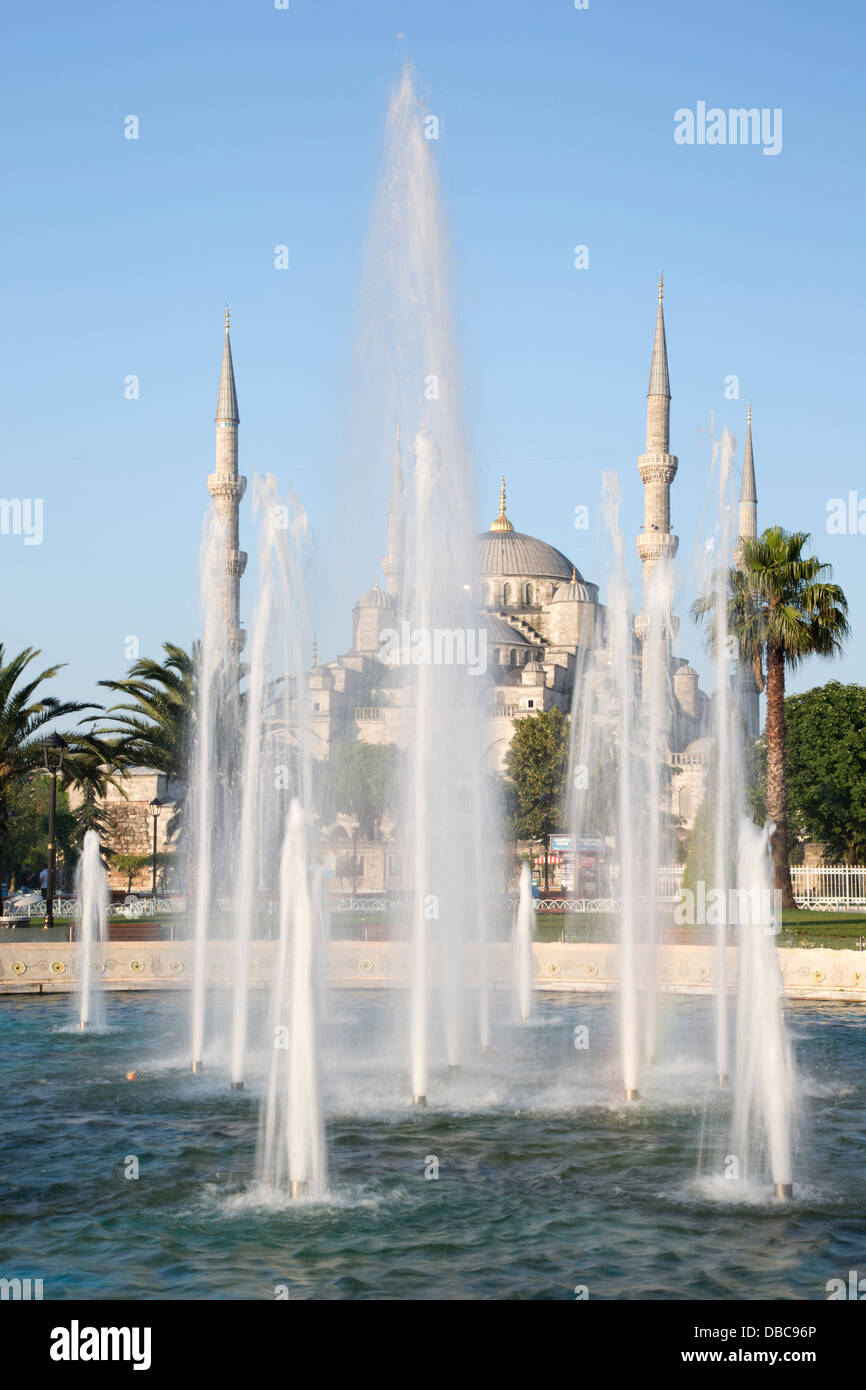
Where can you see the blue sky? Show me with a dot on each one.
(261, 127)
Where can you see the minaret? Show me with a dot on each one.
(227, 488)
(392, 563)
(658, 466)
(748, 491)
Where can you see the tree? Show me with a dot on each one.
(24, 713)
(781, 609)
(154, 728)
(536, 769)
(365, 782)
(130, 864)
(825, 766)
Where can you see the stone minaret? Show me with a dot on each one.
(392, 563)
(227, 488)
(748, 491)
(657, 467)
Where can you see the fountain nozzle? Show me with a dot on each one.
(237, 1085)
(632, 1094)
(485, 1047)
(298, 1188)
(197, 1067)
(783, 1190)
(420, 1101)
(454, 1069)
(723, 1078)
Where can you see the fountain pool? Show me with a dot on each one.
(547, 1180)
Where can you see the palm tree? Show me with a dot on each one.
(153, 730)
(23, 716)
(782, 609)
(152, 727)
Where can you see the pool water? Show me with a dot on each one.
(527, 1177)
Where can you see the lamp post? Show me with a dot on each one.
(54, 744)
(154, 808)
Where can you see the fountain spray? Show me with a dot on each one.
(521, 951)
(623, 681)
(91, 889)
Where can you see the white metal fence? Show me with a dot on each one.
(830, 886)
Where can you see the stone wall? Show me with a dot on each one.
(50, 968)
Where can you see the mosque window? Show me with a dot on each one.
(529, 593)
(506, 594)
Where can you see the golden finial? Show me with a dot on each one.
(398, 434)
(661, 286)
(502, 523)
(315, 652)
(227, 318)
(574, 574)
(749, 413)
(376, 585)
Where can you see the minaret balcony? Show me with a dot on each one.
(236, 563)
(657, 545)
(226, 487)
(657, 468)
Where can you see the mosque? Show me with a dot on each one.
(542, 619)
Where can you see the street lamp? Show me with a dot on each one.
(53, 745)
(154, 808)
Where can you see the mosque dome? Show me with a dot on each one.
(375, 598)
(505, 552)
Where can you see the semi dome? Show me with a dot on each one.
(375, 598)
(576, 591)
(502, 634)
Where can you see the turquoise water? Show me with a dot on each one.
(546, 1182)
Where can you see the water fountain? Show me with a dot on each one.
(292, 1143)
(445, 820)
(628, 824)
(522, 963)
(91, 889)
(214, 757)
(741, 877)
(764, 1083)
(728, 740)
